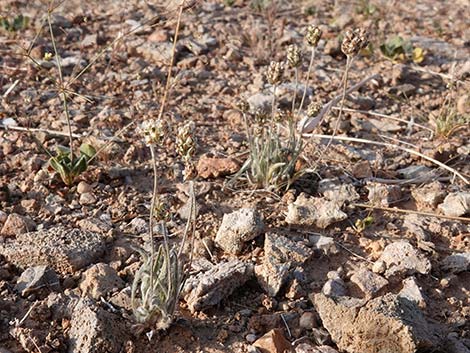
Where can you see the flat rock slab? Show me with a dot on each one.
(401, 258)
(66, 250)
(381, 325)
(314, 211)
(209, 288)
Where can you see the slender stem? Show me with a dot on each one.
(172, 60)
(344, 83)
(310, 65)
(296, 85)
(152, 208)
(61, 85)
(273, 104)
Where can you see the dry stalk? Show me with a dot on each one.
(400, 210)
(391, 145)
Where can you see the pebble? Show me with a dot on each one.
(308, 320)
(250, 338)
(84, 187)
(87, 199)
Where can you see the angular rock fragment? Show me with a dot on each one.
(412, 292)
(237, 228)
(36, 278)
(369, 282)
(273, 342)
(428, 196)
(280, 255)
(383, 324)
(383, 195)
(16, 224)
(456, 263)
(214, 167)
(456, 204)
(334, 287)
(99, 281)
(401, 258)
(335, 190)
(209, 288)
(64, 249)
(272, 276)
(95, 330)
(326, 244)
(314, 211)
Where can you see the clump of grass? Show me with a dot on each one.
(449, 120)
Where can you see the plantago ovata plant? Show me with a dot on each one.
(158, 283)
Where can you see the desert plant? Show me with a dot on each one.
(448, 119)
(158, 283)
(398, 49)
(273, 162)
(14, 24)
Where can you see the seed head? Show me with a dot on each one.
(280, 116)
(275, 72)
(354, 41)
(186, 141)
(313, 109)
(293, 55)
(153, 131)
(161, 210)
(243, 105)
(313, 35)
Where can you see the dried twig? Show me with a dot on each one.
(401, 210)
(391, 145)
(47, 131)
(380, 115)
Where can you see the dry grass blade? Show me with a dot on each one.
(391, 145)
(400, 210)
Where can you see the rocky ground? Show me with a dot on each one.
(313, 269)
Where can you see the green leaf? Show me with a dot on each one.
(20, 22)
(87, 150)
(63, 151)
(80, 165)
(62, 169)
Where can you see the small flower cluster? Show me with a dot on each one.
(186, 147)
(293, 55)
(354, 41)
(275, 72)
(313, 109)
(153, 131)
(313, 35)
(161, 211)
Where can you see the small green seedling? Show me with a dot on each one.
(400, 50)
(362, 224)
(69, 166)
(14, 24)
